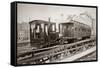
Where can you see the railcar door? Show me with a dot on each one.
(32, 32)
(66, 29)
(69, 30)
(38, 31)
(52, 31)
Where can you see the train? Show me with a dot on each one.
(45, 34)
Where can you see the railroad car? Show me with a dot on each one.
(44, 33)
(74, 31)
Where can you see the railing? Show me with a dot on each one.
(38, 56)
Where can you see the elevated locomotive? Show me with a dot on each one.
(44, 33)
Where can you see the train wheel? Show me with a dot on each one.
(61, 41)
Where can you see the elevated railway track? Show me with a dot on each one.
(57, 52)
(77, 56)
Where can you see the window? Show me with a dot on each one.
(32, 27)
(57, 27)
(38, 29)
(46, 29)
(75, 29)
(42, 26)
(53, 27)
(60, 28)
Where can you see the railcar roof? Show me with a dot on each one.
(67, 23)
(72, 22)
(81, 23)
(39, 22)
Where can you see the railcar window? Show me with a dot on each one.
(57, 27)
(72, 28)
(75, 29)
(38, 29)
(60, 26)
(64, 27)
(69, 27)
(53, 27)
(46, 29)
(32, 27)
(42, 26)
(79, 29)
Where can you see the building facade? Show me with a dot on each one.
(23, 32)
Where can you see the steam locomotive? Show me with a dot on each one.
(46, 34)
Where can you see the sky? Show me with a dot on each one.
(29, 12)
